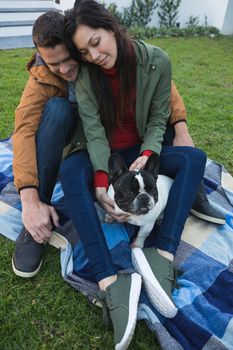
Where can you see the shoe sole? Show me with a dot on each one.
(25, 274)
(133, 308)
(208, 218)
(158, 297)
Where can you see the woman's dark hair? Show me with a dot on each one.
(95, 15)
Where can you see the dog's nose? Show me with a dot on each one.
(143, 199)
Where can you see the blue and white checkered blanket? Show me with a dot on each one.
(205, 256)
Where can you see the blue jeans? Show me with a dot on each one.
(57, 125)
(184, 164)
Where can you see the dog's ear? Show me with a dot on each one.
(152, 165)
(116, 167)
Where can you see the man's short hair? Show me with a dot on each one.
(48, 30)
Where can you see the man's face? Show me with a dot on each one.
(60, 62)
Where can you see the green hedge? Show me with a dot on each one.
(153, 32)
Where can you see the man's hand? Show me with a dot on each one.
(139, 163)
(37, 217)
(108, 204)
(182, 136)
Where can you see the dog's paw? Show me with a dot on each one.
(133, 245)
(137, 244)
(108, 219)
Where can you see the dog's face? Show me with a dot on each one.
(135, 191)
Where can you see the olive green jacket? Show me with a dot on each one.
(152, 104)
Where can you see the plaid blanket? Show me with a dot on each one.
(205, 256)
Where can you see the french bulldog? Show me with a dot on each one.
(141, 194)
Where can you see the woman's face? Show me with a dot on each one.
(97, 46)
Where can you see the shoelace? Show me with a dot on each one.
(177, 273)
(24, 237)
(100, 297)
(27, 237)
(201, 197)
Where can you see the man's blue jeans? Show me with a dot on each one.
(184, 164)
(57, 125)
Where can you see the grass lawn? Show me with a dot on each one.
(45, 312)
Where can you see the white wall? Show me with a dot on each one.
(219, 12)
(228, 20)
(24, 4)
(213, 9)
(65, 4)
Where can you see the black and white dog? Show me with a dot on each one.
(142, 194)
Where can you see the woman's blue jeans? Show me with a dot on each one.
(184, 164)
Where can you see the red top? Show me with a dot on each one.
(124, 135)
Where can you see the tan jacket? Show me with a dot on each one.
(41, 86)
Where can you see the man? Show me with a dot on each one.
(44, 124)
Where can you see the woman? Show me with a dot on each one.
(123, 93)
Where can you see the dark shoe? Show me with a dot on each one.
(203, 210)
(158, 277)
(27, 258)
(121, 300)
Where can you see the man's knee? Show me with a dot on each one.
(58, 110)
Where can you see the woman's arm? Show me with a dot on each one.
(97, 143)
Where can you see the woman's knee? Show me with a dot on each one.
(198, 157)
(175, 159)
(77, 167)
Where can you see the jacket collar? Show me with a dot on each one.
(145, 55)
(41, 72)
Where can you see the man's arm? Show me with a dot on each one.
(178, 118)
(37, 217)
(182, 136)
(27, 119)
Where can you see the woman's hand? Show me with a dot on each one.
(139, 163)
(108, 204)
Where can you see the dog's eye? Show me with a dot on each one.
(152, 191)
(128, 193)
